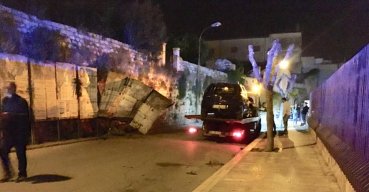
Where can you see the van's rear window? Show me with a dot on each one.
(224, 90)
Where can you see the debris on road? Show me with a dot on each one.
(191, 173)
(214, 163)
(136, 104)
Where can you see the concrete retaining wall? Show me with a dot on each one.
(342, 180)
(339, 115)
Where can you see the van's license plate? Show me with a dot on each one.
(220, 106)
(215, 132)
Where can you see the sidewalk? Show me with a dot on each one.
(296, 166)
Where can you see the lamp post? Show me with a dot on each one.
(216, 24)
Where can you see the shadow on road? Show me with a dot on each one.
(47, 178)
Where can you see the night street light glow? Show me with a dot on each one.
(256, 88)
(284, 64)
(216, 24)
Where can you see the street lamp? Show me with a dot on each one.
(284, 64)
(216, 24)
(256, 89)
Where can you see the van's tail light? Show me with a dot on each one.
(238, 134)
(192, 130)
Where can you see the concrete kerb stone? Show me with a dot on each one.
(210, 182)
(343, 183)
(57, 143)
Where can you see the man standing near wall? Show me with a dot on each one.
(286, 114)
(15, 132)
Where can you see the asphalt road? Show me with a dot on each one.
(161, 162)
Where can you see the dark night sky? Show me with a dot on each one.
(333, 29)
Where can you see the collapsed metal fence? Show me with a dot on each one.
(340, 108)
(64, 98)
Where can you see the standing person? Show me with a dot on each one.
(304, 112)
(15, 132)
(286, 114)
(253, 111)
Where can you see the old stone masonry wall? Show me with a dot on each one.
(88, 49)
(176, 81)
(96, 43)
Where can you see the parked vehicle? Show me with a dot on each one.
(225, 100)
(227, 111)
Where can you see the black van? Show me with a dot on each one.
(226, 100)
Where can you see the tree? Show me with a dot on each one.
(144, 26)
(116, 61)
(236, 76)
(188, 43)
(268, 81)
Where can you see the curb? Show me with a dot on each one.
(210, 182)
(53, 144)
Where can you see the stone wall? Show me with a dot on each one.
(186, 88)
(129, 63)
(100, 50)
(96, 43)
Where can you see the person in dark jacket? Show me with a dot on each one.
(15, 132)
(304, 112)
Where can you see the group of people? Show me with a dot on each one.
(297, 113)
(300, 114)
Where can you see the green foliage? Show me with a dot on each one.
(111, 62)
(182, 86)
(45, 44)
(197, 88)
(236, 76)
(144, 26)
(9, 35)
(294, 93)
(299, 95)
(189, 46)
